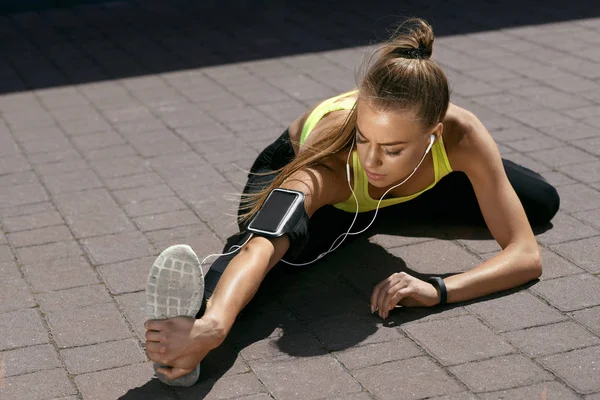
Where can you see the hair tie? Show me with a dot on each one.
(413, 52)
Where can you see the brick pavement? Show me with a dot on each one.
(122, 129)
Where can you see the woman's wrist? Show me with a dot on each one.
(440, 288)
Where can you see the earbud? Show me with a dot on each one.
(432, 138)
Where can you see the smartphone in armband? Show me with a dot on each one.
(279, 213)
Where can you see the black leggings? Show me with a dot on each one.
(451, 201)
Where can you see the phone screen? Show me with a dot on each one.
(272, 212)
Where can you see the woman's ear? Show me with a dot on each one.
(438, 130)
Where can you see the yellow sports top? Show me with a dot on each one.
(441, 165)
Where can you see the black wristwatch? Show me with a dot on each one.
(439, 284)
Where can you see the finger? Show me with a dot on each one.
(155, 347)
(154, 325)
(173, 373)
(387, 296)
(156, 357)
(398, 296)
(154, 336)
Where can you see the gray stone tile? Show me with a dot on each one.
(8, 271)
(555, 266)
(132, 181)
(300, 344)
(578, 368)
(551, 339)
(377, 353)
(500, 373)
(78, 297)
(89, 325)
(15, 295)
(458, 340)
(515, 311)
(547, 390)
(589, 317)
(584, 253)
(40, 236)
(39, 385)
(22, 194)
(29, 359)
(225, 388)
(134, 309)
(417, 375)
(166, 220)
(117, 382)
(22, 328)
(566, 228)
(570, 293)
(32, 221)
(81, 360)
(425, 257)
(128, 276)
(586, 173)
(120, 247)
(52, 251)
(100, 223)
(61, 273)
(312, 378)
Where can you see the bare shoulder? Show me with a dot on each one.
(468, 143)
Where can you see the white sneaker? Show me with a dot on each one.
(175, 288)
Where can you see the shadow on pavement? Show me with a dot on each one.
(120, 39)
(313, 311)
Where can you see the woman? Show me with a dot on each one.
(399, 135)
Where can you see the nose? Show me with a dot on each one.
(372, 159)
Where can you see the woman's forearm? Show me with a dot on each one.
(242, 278)
(512, 267)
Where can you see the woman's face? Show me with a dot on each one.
(390, 144)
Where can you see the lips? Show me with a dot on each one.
(373, 176)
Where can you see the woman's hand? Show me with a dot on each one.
(181, 343)
(401, 288)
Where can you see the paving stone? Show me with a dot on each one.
(38, 385)
(457, 396)
(579, 368)
(556, 178)
(535, 144)
(589, 317)
(586, 173)
(458, 340)
(499, 373)
(89, 325)
(9, 271)
(29, 359)
(138, 195)
(340, 332)
(551, 339)
(81, 360)
(515, 311)
(541, 118)
(98, 224)
(97, 140)
(593, 397)
(111, 153)
(40, 236)
(52, 251)
(84, 127)
(22, 328)
(132, 181)
(72, 181)
(26, 210)
(425, 258)
(166, 220)
(52, 143)
(134, 309)
(555, 266)
(120, 247)
(561, 156)
(22, 195)
(566, 228)
(133, 380)
(225, 388)
(312, 378)
(5, 254)
(116, 167)
(128, 276)
(591, 145)
(377, 353)
(61, 273)
(526, 162)
(15, 295)
(417, 375)
(546, 390)
(97, 201)
(18, 178)
(570, 293)
(301, 344)
(584, 253)
(155, 206)
(79, 297)
(32, 221)
(14, 164)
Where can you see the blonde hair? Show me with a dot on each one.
(402, 77)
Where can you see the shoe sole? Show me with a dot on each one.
(175, 288)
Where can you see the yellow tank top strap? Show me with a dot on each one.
(325, 108)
